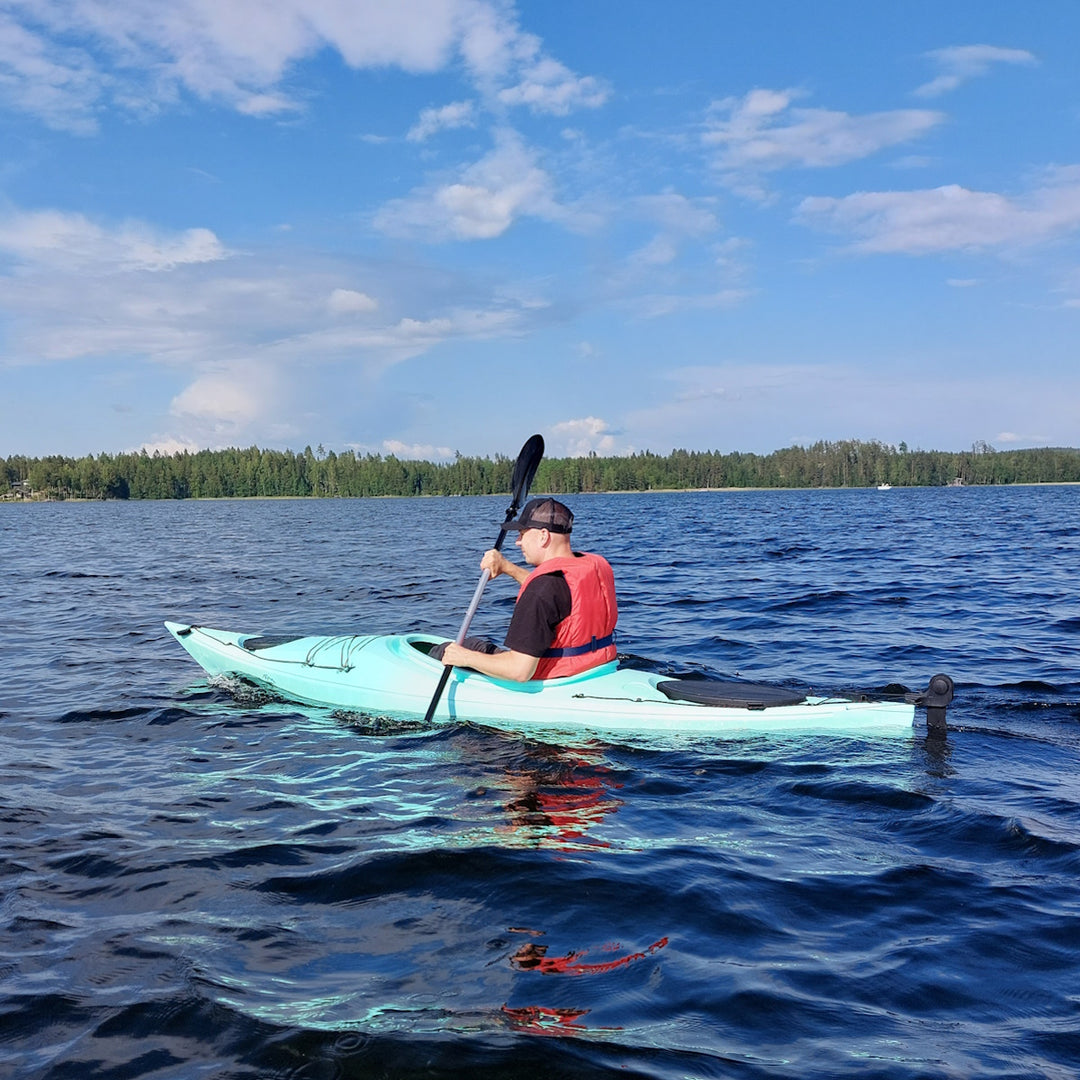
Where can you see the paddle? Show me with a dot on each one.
(524, 470)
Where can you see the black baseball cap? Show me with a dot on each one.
(543, 514)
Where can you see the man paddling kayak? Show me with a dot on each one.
(565, 615)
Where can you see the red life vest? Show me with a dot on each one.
(586, 637)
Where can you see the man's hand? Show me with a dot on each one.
(495, 563)
(455, 655)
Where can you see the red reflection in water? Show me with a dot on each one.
(540, 1021)
(567, 809)
(561, 809)
(532, 957)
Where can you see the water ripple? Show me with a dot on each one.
(203, 882)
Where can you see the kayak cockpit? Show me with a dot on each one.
(732, 695)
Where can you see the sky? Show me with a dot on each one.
(438, 226)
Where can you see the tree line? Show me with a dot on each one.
(254, 472)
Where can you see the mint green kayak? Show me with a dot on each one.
(394, 675)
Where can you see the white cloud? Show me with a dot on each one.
(167, 445)
(580, 437)
(175, 318)
(679, 218)
(351, 302)
(59, 240)
(139, 55)
(1026, 440)
(511, 68)
(266, 105)
(761, 132)
(677, 214)
(959, 63)
(227, 400)
(962, 283)
(660, 251)
(416, 451)
(250, 338)
(77, 290)
(482, 203)
(58, 83)
(381, 346)
(458, 114)
(951, 218)
(548, 87)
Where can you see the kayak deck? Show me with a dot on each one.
(394, 674)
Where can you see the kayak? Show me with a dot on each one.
(393, 674)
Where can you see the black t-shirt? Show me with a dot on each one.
(539, 610)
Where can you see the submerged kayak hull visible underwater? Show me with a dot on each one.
(393, 674)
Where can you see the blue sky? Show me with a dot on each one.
(440, 225)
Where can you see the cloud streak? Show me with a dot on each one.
(950, 218)
(59, 84)
(763, 132)
(458, 114)
(960, 63)
(70, 242)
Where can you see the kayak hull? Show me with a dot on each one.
(393, 674)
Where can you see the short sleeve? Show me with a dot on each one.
(539, 610)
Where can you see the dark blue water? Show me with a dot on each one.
(195, 886)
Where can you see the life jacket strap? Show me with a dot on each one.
(580, 650)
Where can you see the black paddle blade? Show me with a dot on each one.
(528, 461)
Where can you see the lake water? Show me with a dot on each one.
(195, 885)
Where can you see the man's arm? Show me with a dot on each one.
(542, 606)
(496, 563)
(511, 665)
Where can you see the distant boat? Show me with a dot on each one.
(884, 487)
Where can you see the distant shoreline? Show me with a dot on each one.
(35, 501)
(256, 473)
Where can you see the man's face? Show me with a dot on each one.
(532, 542)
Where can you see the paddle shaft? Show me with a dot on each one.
(485, 577)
